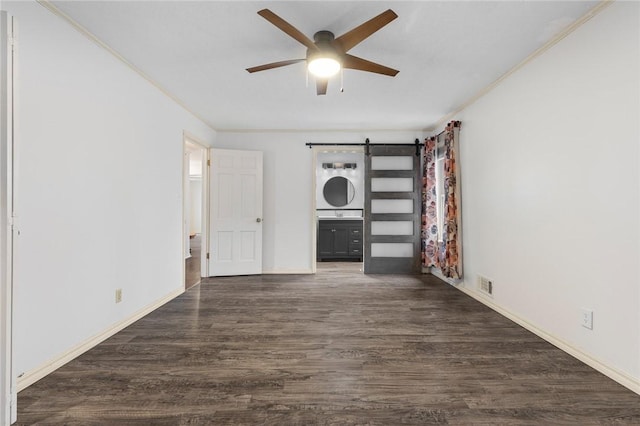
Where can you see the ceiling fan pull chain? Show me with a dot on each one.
(341, 80)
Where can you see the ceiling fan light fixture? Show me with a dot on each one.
(324, 66)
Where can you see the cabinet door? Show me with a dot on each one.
(325, 241)
(341, 241)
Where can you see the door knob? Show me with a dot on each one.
(258, 220)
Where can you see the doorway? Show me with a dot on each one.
(389, 231)
(195, 203)
(338, 175)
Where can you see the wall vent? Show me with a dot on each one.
(485, 285)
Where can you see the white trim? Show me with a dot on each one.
(289, 272)
(186, 199)
(316, 130)
(205, 213)
(548, 45)
(188, 138)
(438, 273)
(82, 30)
(623, 378)
(7, 379)
(194, 139)
(50, 366)
(15, 149)
(314, 215)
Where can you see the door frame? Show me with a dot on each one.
(188, 138)
(8, 395)
(314, 202)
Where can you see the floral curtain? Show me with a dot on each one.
(429, 230)
(449, 259)
(446, 254)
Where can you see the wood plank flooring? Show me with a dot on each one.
(335, 348)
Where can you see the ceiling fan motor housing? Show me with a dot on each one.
(323, 36)
(326, 47)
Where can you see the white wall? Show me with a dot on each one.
(289, 218)
(99, 189)
(550, 190)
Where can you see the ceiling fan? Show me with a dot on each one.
(326, 55)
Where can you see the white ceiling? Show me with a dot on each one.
(446, 52)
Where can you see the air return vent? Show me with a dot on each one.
(485, 285)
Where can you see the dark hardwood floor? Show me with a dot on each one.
(334, 348)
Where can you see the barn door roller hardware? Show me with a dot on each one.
(367, 143)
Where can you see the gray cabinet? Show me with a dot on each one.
(339, 239)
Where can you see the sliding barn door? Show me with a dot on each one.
(392, 210)
(235, 236)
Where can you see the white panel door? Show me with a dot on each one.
(235, 239)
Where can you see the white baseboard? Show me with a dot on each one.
(287, 272)
(50, 366)
(624, 379)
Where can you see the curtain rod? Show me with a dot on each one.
(451, 123)
(367, 144)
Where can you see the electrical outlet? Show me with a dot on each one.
(485, 285)
(587, 318)
(118, 295)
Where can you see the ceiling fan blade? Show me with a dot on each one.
(355, 63)
(287, 28)
(321, 86)
(274, 65)
(350, 39)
